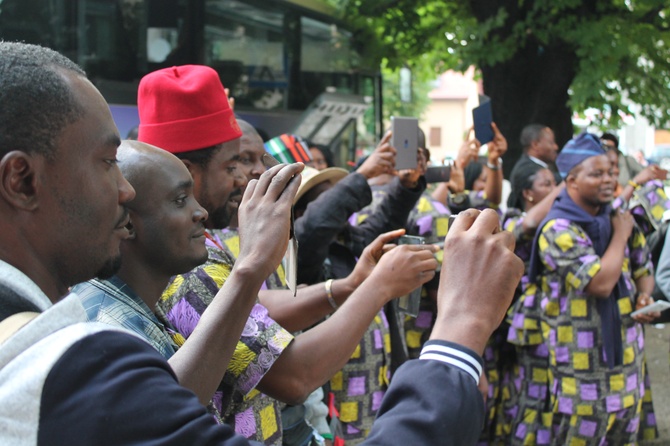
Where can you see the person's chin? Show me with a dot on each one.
(202, 258)
(195, 260)
(110, 267)
(606, 199)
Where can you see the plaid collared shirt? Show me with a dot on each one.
(115, 303)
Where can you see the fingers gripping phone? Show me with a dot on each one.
(410, 303)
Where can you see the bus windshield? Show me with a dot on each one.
(275, 57)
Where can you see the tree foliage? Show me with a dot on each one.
(422, 83)
(601, 54)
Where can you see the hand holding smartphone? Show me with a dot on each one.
(292, 252)
(659, 305)
(410, 303)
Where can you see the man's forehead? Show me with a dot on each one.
(596, 162)
(546, 133)
(251, 143)
(229, 151)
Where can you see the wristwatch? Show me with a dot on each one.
(458, 198)
(494, 166)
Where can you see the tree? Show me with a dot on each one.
(540, 60)
(422, 81)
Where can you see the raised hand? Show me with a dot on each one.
(231, 101)
(382, 160)
(652, 172)
(468, 152)
(405, 268)
(498, 146)
(479, 275)
(371, 255)
(622, 223)
(456, 182)
(264, 216)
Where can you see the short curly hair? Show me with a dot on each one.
(36, 103)
(530, 134)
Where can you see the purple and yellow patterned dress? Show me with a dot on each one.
(526, 412)
(590, 402)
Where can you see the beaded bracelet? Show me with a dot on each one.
(633, 184)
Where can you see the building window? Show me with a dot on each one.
(435, 136)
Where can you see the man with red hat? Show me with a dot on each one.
(185, 110)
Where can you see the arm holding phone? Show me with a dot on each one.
(494, 180)
(456, 183)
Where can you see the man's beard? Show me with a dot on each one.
(221, 217)
(110, 268)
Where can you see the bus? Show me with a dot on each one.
(275, 56)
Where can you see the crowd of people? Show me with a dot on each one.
(146, 291)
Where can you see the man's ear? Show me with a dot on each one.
(570, 181)
(196, 172)
(19, 179)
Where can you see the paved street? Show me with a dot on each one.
(657, 347)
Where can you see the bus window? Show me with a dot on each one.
(245, 44)
(275, 56)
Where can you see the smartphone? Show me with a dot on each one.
(482, 117)
(437, 174)
(410, 303)
(659, 305)
(405, 140)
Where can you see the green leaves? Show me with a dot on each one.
(622, 47)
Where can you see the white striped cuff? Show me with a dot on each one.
(454, 355)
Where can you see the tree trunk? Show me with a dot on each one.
(525, 90)
(532, 86)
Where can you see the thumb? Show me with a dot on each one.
(386, 237)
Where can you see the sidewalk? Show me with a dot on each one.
(657, 347)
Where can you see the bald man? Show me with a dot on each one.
(167, 237)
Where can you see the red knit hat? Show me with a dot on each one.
(184, 109)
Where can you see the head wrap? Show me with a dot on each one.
(579, 148)
(185, 108)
